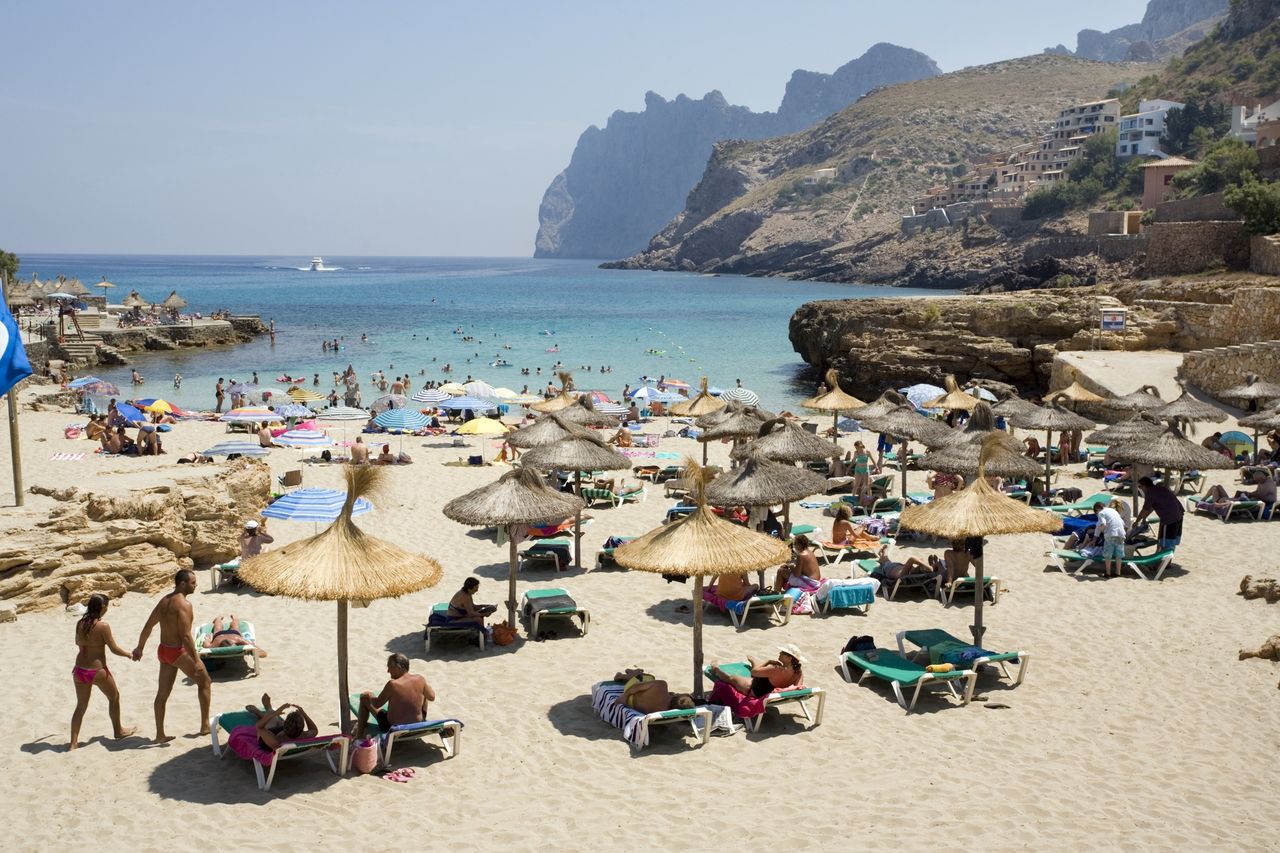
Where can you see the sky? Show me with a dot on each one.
(380, 128)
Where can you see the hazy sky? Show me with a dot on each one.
(377, 128)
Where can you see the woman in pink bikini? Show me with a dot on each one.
(93, 638)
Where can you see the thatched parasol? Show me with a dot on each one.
(760, 481)
(834, 401)
(1076, 393)
(1137, 427)
(1253, 389)
(580, 450)
(174, 302)
(1169, 450)
(881, 406)
(342, 564)
(1006, 459)
(1052, 418)
(783, 440)
(978, 511)
(583, 412)
(1144, 399)
(703, 404)
(981, 423)
(547, 429)
(104, 284)
(699, 545)
(563, 400)
(741, 423)
(1188, 408)
(906, 424)
(75, 287)
(133, 300)
(520, 496)
(1010, 407)
(954, 399)
(1259, 422)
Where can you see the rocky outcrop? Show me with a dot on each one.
(1269, 650)
(98, 543)
(627, 180)
(1166, 29)
(1268, 589)
(1247, 17)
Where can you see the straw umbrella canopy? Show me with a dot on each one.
(581, 450)
(583, 412)
(743, 423)
(782, 440)
(1169, 450)
(714, 417)
(760, 481)
(133, 300)
(547, 429)
(954, 399)
(104, 284)
(174, 302)
(702, 404)
(906, 424)
(1052, 418)
(1076, 393)
(1006, 460)
(1137, 427)
(834, 401)
(1188, 408)
(701, 545)
(1011, 407)
(563, 400)
(978, 511)
(520, 496)
(981, 423)
(342, 563)
(1253, 389)
(75, 287)
(1145, 399)
(1258, 422)
(881, 406)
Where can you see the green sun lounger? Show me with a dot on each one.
(797, 695)
(935, 640)
(535, 616)
(327, 744)
(1083, 506)
(1247, 508)
(449, 731)
(1155, 563)
(900, 672)
(222, 653)
(468, 631)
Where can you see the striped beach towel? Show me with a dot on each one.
(66, 457)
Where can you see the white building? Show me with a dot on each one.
(1141, 132)
(1244, 124)
(820, 176)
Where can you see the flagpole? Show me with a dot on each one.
(19, 499)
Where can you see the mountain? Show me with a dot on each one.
(758, 209)
(628, 179)
(1166, 29)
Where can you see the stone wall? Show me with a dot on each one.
(1106, 222)
(1182, 248)
(1215, 370)
(1264, 254)
(1110, 247)
(1205, 208)
(1005, 216)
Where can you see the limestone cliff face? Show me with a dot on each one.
(1167, 27)
(626, 181)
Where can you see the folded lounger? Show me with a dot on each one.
(266, 761)
(777, 605)
(440, 624)
(945, 648)
(222, 653)
(1151, 567)
(606, 700)
(539, 604)
(751, 710)
(900, 672)
(449, 730)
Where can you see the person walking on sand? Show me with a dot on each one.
(221, 394)
(94, 639)
(177, 651)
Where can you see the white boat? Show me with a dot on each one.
(317, 265)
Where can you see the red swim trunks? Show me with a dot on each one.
(170, 654)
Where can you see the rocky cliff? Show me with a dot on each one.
(628, 179)
(1166, 29)
(754, 213)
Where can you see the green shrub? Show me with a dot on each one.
(1259, 203)
(1228, 163)
(1053, 200)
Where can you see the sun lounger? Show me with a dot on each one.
(777, 605)
(606, 700)
(1155, 563)
(222, 653)
(1205, 505)
(1082, 506)
(831, 553)
(449, 730)
(755, 709)
(969, 585)
(890, 587)
(439, 625)
(224, 572)
(539, 604)
(940, 645)
(265, 762)
(605, 554)
(548, 553)
(900, 672)
(679, 511)
(855, 594)
(594, 496)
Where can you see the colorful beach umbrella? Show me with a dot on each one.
(162, 406)
(343, 413)
(255, 415)
(453, 389)
(304, 395)
(235, 448)
(653, 395)
(130, 413)
(431, 396)
(294, 410)
(318, 506)
(83, 381)
(402, 419)
(304, 438)
(482, 426)
(918, 395)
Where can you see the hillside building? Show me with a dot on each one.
(1245, 123)
(1141, 132)
(1157, 179)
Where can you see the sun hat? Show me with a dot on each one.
(793, 650)
(251, 525)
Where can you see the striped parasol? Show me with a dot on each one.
(249, 416)
(235, 448)
(303, 395)
(461, 404)
(294, 410)
(343, 413)
(402, 419)
(304, 438)
(318, 506)
(431, 396)
(742, 395)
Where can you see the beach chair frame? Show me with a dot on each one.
(921, 681)
(450, 732)
(448, 630)
(578, 611)
(292, 749)
(1022, 657)
(948, 593)
(777, 605)
(1251, 509)
(229, 652)
(797, 696)
(663, 718)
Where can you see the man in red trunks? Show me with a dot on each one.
(177, 650)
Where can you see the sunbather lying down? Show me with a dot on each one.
(954, 563)
(228, 632)
(646, 693)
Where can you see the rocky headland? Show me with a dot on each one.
(1166, 29)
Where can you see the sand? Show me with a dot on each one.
(1136, 726)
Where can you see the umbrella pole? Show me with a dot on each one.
(902, 463)
(343, 691)
(786, 520)
(977, 626)
(835, 428)
(1048, 460)
(704, 453)
(577, 525)
(511, 576)
(697, 637)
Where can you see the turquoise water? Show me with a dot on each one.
(725, 327)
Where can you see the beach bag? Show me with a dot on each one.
(71, 432)
(364, 755)
(503, 634)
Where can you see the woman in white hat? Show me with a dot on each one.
(782, 673)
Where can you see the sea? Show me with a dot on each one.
(416, 315)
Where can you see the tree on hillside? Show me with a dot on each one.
(1229, 163)
(9, 265)
(1180, 126)
(1259, 203)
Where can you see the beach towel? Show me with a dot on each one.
(710, 596)
(847, 592)
(243, 741)
(666, 455)
(444, 620)
(740, 704)
(606, 701)
(637, 454)
(800, 590)
(815, 504)
(961, 655)
(66, 457)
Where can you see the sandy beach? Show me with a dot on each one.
(1136, 727)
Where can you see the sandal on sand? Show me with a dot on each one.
(402, 775)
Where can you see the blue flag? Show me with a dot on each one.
(14, 366)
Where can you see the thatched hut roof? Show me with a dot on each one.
(783, 440)
(583, 412)
(174, 302)
(760, 481)
(1254, 389)
(834, 400)
(740, 423)
(702, 404)
(981, 423)
(1137, 427)
(133, 300)
(904, 422)
(1052, 417)
(954, 399)
(520, 496)
(547, 429)
(1188, 408)
(1005, 459)
(581, 450)
(880, 406)
(1076, 393)
(1268, 420)
(1145, 399)
(1169, 450)
(342, 562)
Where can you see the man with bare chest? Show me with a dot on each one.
(177, 651)
(405, 696)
